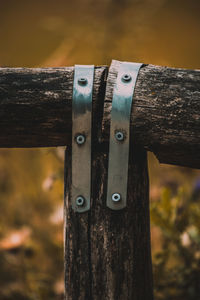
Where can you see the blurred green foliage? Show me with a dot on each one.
(59, 33)
(177, 265)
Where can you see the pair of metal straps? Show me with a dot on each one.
(119, 136)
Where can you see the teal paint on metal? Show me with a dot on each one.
(81, 137)
(120, 134)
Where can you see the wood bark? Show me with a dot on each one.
(35, 110)
(107, 253)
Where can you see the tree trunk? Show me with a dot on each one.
(107, 253)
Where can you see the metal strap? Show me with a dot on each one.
(119, 135)
(81, 137)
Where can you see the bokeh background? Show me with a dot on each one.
(63, 33)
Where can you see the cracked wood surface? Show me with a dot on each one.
(165, 113)
(108, 253)
(35, 109)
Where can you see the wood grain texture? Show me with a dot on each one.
(35, 110)
(165, 113)
(107, 253)
(120, 240)
(35, 106)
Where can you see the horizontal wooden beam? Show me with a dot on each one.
(35, 109)
(35, 105)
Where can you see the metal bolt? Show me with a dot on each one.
(80, 139)
(116, 197)
(80, 200)
(126, 78)
(119, 136)
(82, 81)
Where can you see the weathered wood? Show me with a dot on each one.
(165, 113)
(35, 106)
(35, 110)
(77, 226)
(107, 253)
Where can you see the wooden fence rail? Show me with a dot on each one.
(35, 109)
(107, 253)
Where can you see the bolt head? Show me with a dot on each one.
(80, 200)
(82, 81)
(126, 78)
(119, 136)
(80, 139)
(116, 197)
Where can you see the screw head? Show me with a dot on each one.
(80, 200)
(82, 81)
(119, 136)
(80, 139)
(126, 78)
(116, 197)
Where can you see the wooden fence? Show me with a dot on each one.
(107, 253)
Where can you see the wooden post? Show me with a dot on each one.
(107, 253)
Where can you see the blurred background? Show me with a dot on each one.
(62, 33)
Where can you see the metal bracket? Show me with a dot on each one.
(81, 137)
(120, 134)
